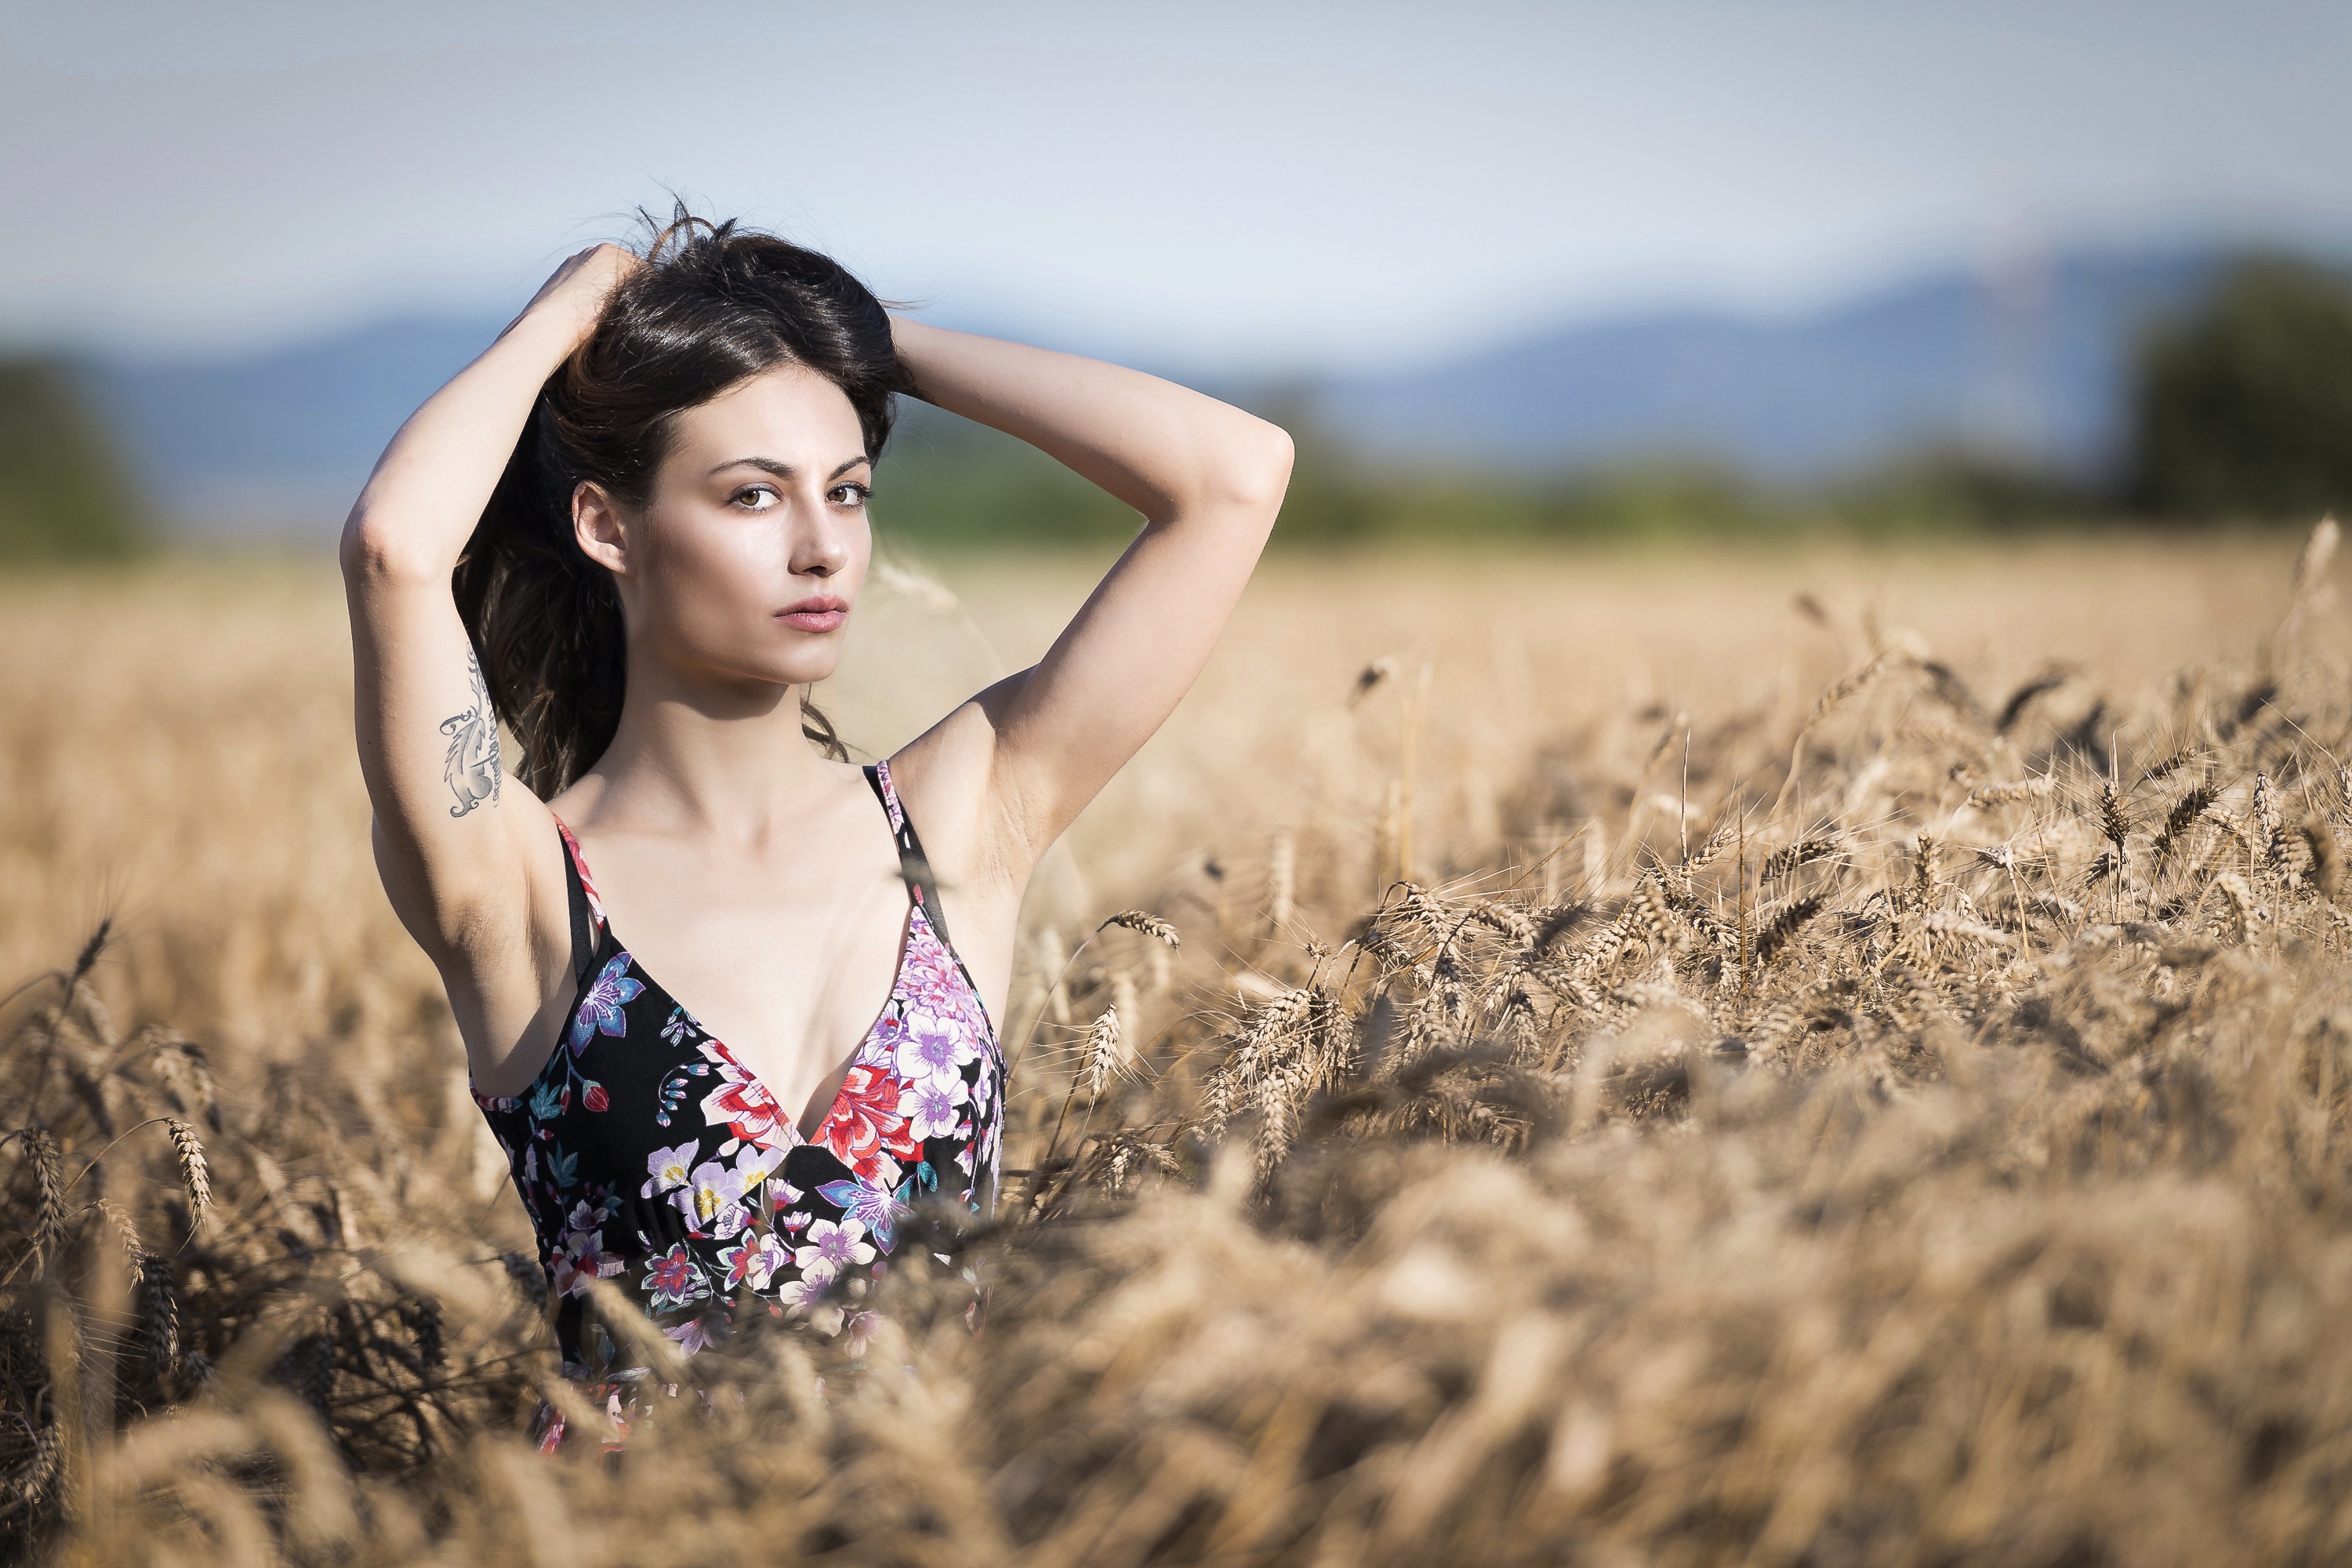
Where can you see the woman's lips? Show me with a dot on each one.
(816, 615)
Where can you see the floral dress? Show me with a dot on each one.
(646, 1152)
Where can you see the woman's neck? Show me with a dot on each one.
(725, 760)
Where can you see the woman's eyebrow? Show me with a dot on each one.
(781, 469)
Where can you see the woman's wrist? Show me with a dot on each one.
(905, 341)
(549, 329)
(570, 303)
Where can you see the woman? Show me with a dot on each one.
(726, 1063)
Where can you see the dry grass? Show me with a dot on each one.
(1685, 1080)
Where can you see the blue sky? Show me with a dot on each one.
(1254, 186)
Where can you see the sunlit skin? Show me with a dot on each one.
(758, 508)
(757, 877)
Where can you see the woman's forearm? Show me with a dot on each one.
(1161, 449)
(429, 490)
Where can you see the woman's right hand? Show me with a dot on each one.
(578, 290)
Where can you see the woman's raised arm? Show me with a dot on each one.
(1208, 479)
(447, 824)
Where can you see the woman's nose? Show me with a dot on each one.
(822, 551)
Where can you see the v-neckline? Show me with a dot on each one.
(578, 858)
(898, 985)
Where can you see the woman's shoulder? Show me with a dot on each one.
(945, 780)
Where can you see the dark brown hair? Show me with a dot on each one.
(714, 305)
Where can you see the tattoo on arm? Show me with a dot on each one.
(472, 770)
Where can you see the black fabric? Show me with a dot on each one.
(584, 933)
(646, 1152)
(913, 864)
(635, 1073)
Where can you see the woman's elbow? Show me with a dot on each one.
(1256, 466)
(374, 549)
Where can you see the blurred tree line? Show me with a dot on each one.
(2241, 408)
(65, 490)
(2244, 406)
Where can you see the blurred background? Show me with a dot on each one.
(1575, 271)
(1843, 474)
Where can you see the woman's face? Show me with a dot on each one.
(743, 563)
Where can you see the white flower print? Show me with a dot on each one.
(668, 1168)
(933, 1107)
(713, 1200)
(930, 1048)
(755, 1166)
(756, 1259)
(806, 1298)
(832, 1248)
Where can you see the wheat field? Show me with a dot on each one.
(1800, 1056)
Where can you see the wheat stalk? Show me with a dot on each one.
(195, 1176)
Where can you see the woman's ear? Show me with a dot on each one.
(596, 524)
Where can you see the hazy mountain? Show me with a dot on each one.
(2033, 362)
(281, 441)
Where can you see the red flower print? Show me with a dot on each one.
(597, 1100)
(743, 1103)
(673, 1279)
(864, 1127)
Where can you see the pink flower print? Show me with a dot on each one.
(600, 1010)
(587, 882)
(932, 1106)
(928, 964)
(865, 1127)
(937, 982)
(861, 1329)
(832, 1248)
(667, 1168)
(742, 1104)
(779, 1195)
(673, 1279)
(889, 1033)
(582, 1258)
(692, 1335)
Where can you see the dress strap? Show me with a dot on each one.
(587, 909)
(913, 864)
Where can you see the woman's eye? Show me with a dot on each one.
(755, 498)
(851, 494)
